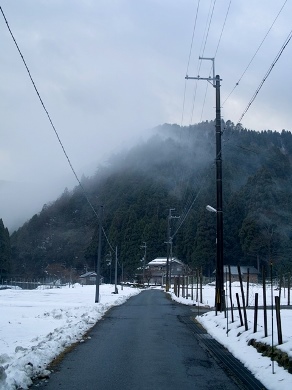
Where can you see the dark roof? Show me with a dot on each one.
(92, 273)
(243, 269)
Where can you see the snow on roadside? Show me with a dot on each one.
(37, 325)
(236, 339)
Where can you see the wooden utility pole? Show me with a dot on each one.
(243, 298)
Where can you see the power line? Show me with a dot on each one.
(184, 216)
(188, 199)
(248, 65)
(190, 53)
(188, 209)
(207, 35)
(218, 44)
(266, 75)
(192, 41)
(224, 23)
(203, 47)
(51, 122)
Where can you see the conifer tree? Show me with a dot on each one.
(5, 252)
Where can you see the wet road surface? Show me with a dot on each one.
(150, 342)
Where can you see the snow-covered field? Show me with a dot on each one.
(236, 339)
(37, 325)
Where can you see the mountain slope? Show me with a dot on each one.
(173, 169)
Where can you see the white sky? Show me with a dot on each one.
(108, 70)
(37, 325)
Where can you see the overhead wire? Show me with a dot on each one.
(237, 126)
(188, 205)
(202, 50)
(191, 200)
(191, 204)
(51, 121)
(223, 27)
(217, 48)
(287, 40)
(209, 25)
(185, 84)
(193, 35)
(180, 223)
(189, 59)
(256, 52)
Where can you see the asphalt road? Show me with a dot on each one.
(143, 344)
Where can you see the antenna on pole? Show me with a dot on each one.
(213, 66)
(211, 80)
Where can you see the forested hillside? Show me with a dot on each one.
(175, 169)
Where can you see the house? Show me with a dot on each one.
(156, 270)
(244, 270)
(89, 278)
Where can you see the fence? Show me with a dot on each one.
(26, 284)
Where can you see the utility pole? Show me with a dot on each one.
(169, 249)
(98, 256)
(170, 264)
(220, 285)
(219, 295)
(116, 271)
(144, 259)
(122, 284)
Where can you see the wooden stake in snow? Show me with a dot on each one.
(243, 298)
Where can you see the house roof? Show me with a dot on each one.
(243, 269)
(91, 273)
(162, 261)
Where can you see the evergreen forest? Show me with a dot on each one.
(173, 169)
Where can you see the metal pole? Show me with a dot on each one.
(170, 239)
(272, 311)
(98, 256)
(167, 270)
(168, 242)
(144, 260)
(219, 295)
(219, 214)
(169, 249)
(116, 271)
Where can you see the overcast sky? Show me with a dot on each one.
(109, 70)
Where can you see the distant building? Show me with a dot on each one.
(89, 278)
(156, 270)
(244, 270)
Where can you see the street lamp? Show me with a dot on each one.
(219, 295)
(210, 208)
